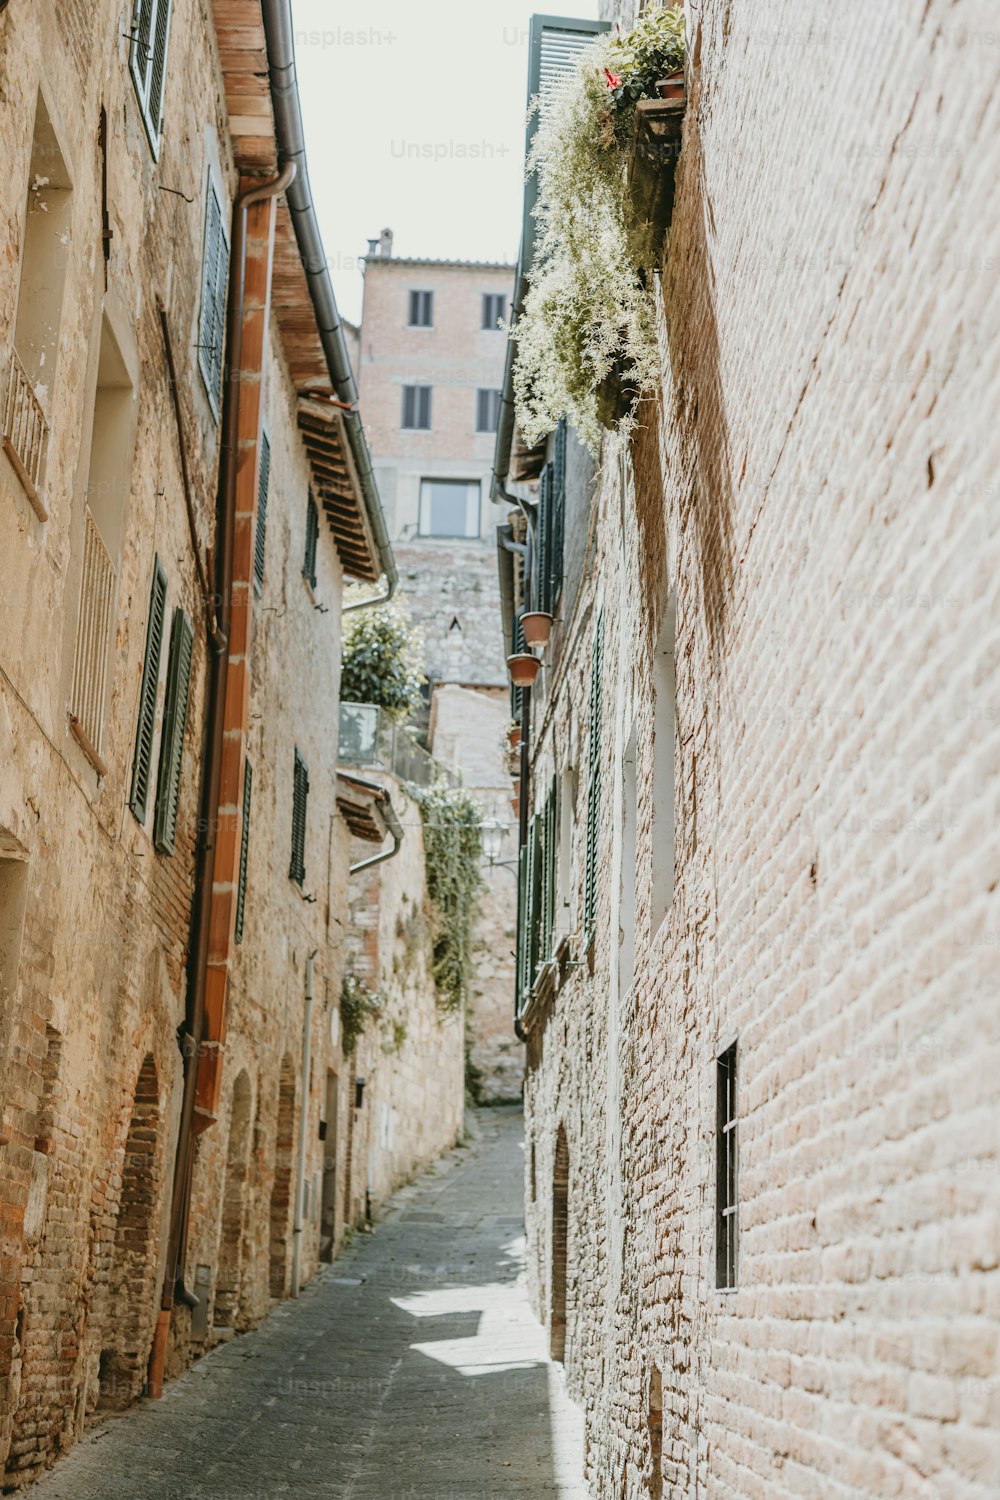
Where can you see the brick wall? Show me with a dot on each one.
(815, 481)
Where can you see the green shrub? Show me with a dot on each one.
(452, 854)
(380, 661)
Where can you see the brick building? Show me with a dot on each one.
(431, 367)
(759, 896)
(184, 487)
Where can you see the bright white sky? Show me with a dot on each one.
(396, 97)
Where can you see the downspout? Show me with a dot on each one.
(191, 1033)
(395, 828)
(300, 1168)
(279, 35)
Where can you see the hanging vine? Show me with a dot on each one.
(452, 855)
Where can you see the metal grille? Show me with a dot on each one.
(24, 424)
(726, 1214)
(93, 639)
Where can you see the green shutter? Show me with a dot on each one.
(168, 785)
(241, 890)
(548, 874)
(312, 537)
(593, 783)
(543, 534)
(531, 908)
(300, 794)
(142, 763)
(521, 978)
(260, 536)
(557, 529)
(212, 324)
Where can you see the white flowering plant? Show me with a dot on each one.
(589, 313)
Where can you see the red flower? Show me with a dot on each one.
(614, 79)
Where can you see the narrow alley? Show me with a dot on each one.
(413, 1366)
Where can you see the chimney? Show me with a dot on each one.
(385, 243)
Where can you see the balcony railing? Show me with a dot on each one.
(369, 737)
(93, 641)
(25, 433)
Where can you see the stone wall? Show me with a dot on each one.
(815, 485)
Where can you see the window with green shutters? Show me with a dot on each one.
(148, 62)
(212, 322)
(551, 525)
(300, 795)
(260, 535)
(168, 783)
(142, 764)
(312, 537)
(241, 889)
(547, 905)
(593, 783)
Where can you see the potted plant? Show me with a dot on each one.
(523, 668)
(513, 734)
(537, 627)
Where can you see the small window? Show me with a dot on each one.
(300, 796)
(449, 507)
(494, 309)
(417, 407)
(312, 537)
(260, 535)
(148, 62)
(487, 411)
(726, 1226)
(241, 889)
(212, 323)
(421, 309)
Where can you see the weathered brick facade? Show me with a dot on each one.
(95, 898)
(805, 865)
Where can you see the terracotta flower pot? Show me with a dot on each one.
(514, 736)
(515, 805)
(673, 87)
(537, 628)
(523, 668)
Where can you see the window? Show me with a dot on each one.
(417, 408)
(300, 796)
(30, 386)
(168, 783)
(593, 784)
(487, 411)
(260, 535)
(726, 1226)
(421, 309)
(551, 525)
(664, 750)
(494, 308)
(108, 482)
(241, 889)
(564, 865)
(212, 323)
(312, 537)
(449, 507)
(148, 61)
(142, 763)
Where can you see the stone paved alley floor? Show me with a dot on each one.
(411, 1367)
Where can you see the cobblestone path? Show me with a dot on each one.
(411, 1367)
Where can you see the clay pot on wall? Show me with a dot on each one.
(672, 87)
(537, 628)
(514, 736)
(523, 669)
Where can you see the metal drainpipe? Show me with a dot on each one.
(395, 828)
(300, 1168)
(174, 1287)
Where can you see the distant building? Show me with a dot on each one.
(431, 365)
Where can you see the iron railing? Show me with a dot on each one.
(93, 640)
(369, 737)
(24, 424)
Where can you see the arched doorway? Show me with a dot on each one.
(227, 1282)
(281, 1192)
(560, 1216)
(133, 1283)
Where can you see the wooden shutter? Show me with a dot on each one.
(168, 784)
(212, 326)
(593, 783)
(241, 889)
(543, 536)
(158, 68)
(148, 61)
(558, 511)
(548, 883)
(142, 763)
(521, 979)
(260, 536)
(531, 907)
(312, 537)
(300, 794)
